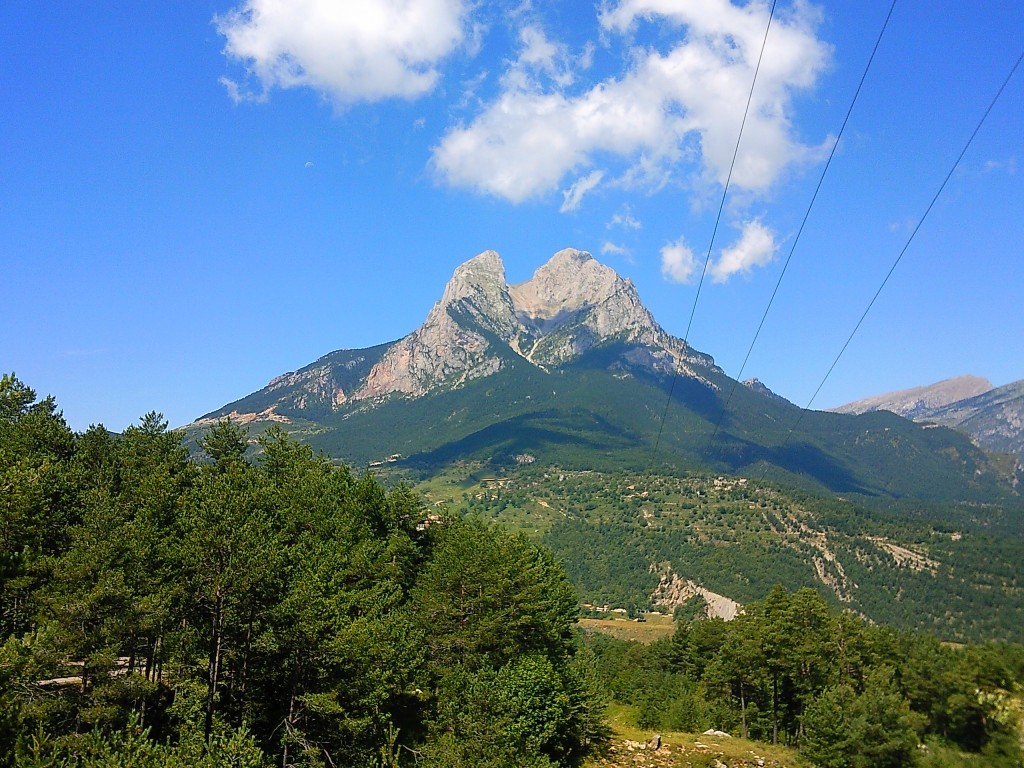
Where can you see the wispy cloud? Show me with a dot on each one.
(613, 249)
(573, 196)
(905, 226)
(350, 51)
(624, 219)
(1007, 166)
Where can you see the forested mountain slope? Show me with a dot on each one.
(639, 541)
(571, 369)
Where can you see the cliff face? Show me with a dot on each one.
(452, 345)
(480, 325)
(571, 304)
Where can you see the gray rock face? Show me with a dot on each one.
(756, 385)
(570, 305)
(447, 350)
(994, 419)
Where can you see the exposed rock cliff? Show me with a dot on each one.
(451, 346)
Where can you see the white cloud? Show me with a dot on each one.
(523, 8)
(539, 58)
(233, 89)
(586, 59)
(625, 219)
(613, 249)
(677, 262)
(350, 51)
(573, 196)
(755, 248)
(671, 112)
(537, 49)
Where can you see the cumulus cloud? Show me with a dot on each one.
(755, 248)
(573, 196)
(670, 112)
(677, 262)
(350, 51)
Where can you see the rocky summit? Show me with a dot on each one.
(480, 325)
(921, 402)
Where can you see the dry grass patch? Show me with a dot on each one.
(630, 746)
(656, 627)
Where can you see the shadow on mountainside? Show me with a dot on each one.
(545, 435)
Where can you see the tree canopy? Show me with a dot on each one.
(258, 605)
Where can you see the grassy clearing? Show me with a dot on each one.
(629, 747)
(656, 627)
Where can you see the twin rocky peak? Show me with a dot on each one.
(480, 326)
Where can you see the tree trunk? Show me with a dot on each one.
(213, 666)
(743, 712)
(289, 721)
(775, 709)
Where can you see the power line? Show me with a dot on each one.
(714, 233)
(906, 246)
(800, 231)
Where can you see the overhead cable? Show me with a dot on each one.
(899, 257)
(714, 232)
(799, 232)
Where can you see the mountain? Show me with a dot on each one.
(992, 417)
(995, 419)
(920, 402)
(481, 326)
(570, 368)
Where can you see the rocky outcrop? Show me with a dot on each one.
(673, 590)
(993, 419)
(570, 305)
(756, 385)
(311, 385)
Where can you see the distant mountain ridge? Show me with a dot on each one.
(920, 401)
(992, 416)
(570, 368)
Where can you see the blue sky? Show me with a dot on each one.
(198, 196)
